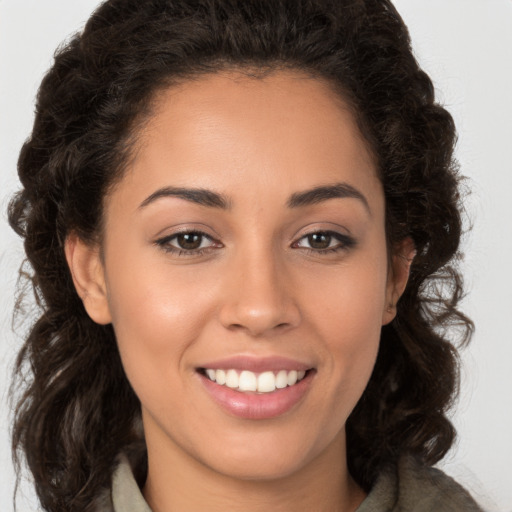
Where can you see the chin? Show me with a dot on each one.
(261, 469)
(262, 460)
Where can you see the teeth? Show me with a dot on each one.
(292, 378)
(265, 382)
(248, 381)
(282, 379)
(220, 377)
(231, 379)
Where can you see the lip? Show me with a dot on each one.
(257, 364)
(257, 406)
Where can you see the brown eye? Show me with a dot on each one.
(323, 242)
(189, 241)
(319, 240)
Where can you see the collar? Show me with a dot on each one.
(126, 495)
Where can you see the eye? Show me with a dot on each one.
(187, 242)
(325, 241)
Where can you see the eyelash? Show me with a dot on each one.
(345, 242)
(165, 244)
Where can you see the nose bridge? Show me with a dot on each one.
(259, 296)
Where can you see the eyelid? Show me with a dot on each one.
(163, 242)
(345, 241)
(322, 227)
(186, 227)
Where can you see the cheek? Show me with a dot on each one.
(348, 301)
(347, 311)
(343, 315)
(156, 315)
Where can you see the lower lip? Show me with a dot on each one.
(257, 406)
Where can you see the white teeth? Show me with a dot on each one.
(292, 378)
(282, 379)
(248, 381)
(232, 379)
(220, 377)
(265, 382)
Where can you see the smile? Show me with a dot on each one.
(256, 395)
(248, 381)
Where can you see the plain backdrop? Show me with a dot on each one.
(466, 47)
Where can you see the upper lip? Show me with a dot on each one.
(256, 364)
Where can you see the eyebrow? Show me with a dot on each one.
(324, 192)
(208, 198)
(199, 196)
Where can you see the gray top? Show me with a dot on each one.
(409, 487)
(126, 495)
(416, 488)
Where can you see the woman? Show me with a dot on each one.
(239, 217)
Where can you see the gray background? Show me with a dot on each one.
(466, 46)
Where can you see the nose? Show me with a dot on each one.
(258, 296)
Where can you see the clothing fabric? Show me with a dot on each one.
(409, 487)
(417, 488)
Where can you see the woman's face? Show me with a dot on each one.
(246, 242)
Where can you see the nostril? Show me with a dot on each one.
(255, 329)
(236, 326)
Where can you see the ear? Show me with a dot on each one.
(398, 275)
(86, 268)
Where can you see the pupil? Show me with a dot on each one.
(189, 241)
(319, 240)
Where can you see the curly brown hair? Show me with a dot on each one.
(77, 411)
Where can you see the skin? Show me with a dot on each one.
(259, 288)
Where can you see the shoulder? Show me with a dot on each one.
(407, 487)
(425, 488)
(125, 494)
(411, 486)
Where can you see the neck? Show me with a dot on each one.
(176, 482)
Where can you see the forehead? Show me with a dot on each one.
(230, 130)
